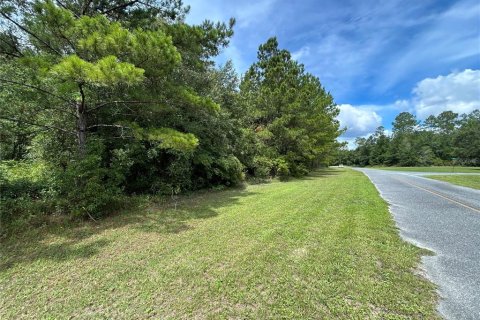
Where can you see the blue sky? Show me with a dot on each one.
(377, 58)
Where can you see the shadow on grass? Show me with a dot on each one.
(25, 253)
(322, 173)
(66, 240)
(171, 216)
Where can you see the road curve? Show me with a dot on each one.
(445, 219)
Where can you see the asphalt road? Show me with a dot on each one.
(445, 219)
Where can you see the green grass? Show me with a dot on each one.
(433, 169)
(322, 247)
(471, 181)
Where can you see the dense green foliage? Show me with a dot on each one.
(440, 140)
(290, 112)
(122, 97)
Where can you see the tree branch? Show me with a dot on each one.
(37, 124)
(11, 54)
(113, 126)
(46, 92)
(85, 6)
(30, 33)
(65, 7)
(61, 35)
(108, 125)
(20, 54)
(101, 105)
(120, 6)
(37, 88)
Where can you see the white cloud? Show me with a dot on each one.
(451, 36)
(359, 121)
(458, 92)
(351, 145)
(403, 105)
(397, 106)
(303, 52)
(251, 11)
(235, 55)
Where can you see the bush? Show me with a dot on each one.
(25, 192)
(283, 170)
(229, 171)
(89, 188)
(263, 167)
(298, 170)
(179, 173)
(18, 212)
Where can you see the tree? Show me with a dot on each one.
(121, 97)
(292, 115)
(344, 156)
(363, 151)
(444, 126)
(380, 146)
(437, 141)
(108, 87)
(404, 123)
(445, 122)
(467, 138)
(87, 60)
(401, 149)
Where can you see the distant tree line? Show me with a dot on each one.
(100, 99)
(439, 140)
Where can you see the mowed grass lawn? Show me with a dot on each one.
(471, 181)
(433, 169)
(323, 247)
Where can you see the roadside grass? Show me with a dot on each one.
(471, 181)
(321, 247)
(432, 169)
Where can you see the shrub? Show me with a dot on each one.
(92, 187)
(229, 171)
(25, 192)
(263, 167)
(283, 170)
(299, 170)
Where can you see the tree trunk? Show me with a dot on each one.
(81, 129)
(81, 110)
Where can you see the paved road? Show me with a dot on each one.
(445, 219)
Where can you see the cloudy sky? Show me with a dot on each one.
(377, 58)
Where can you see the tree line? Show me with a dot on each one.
(102, 99)
(446, 139)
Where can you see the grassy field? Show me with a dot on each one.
(320, 247)
(433, 169)
(471, 181)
